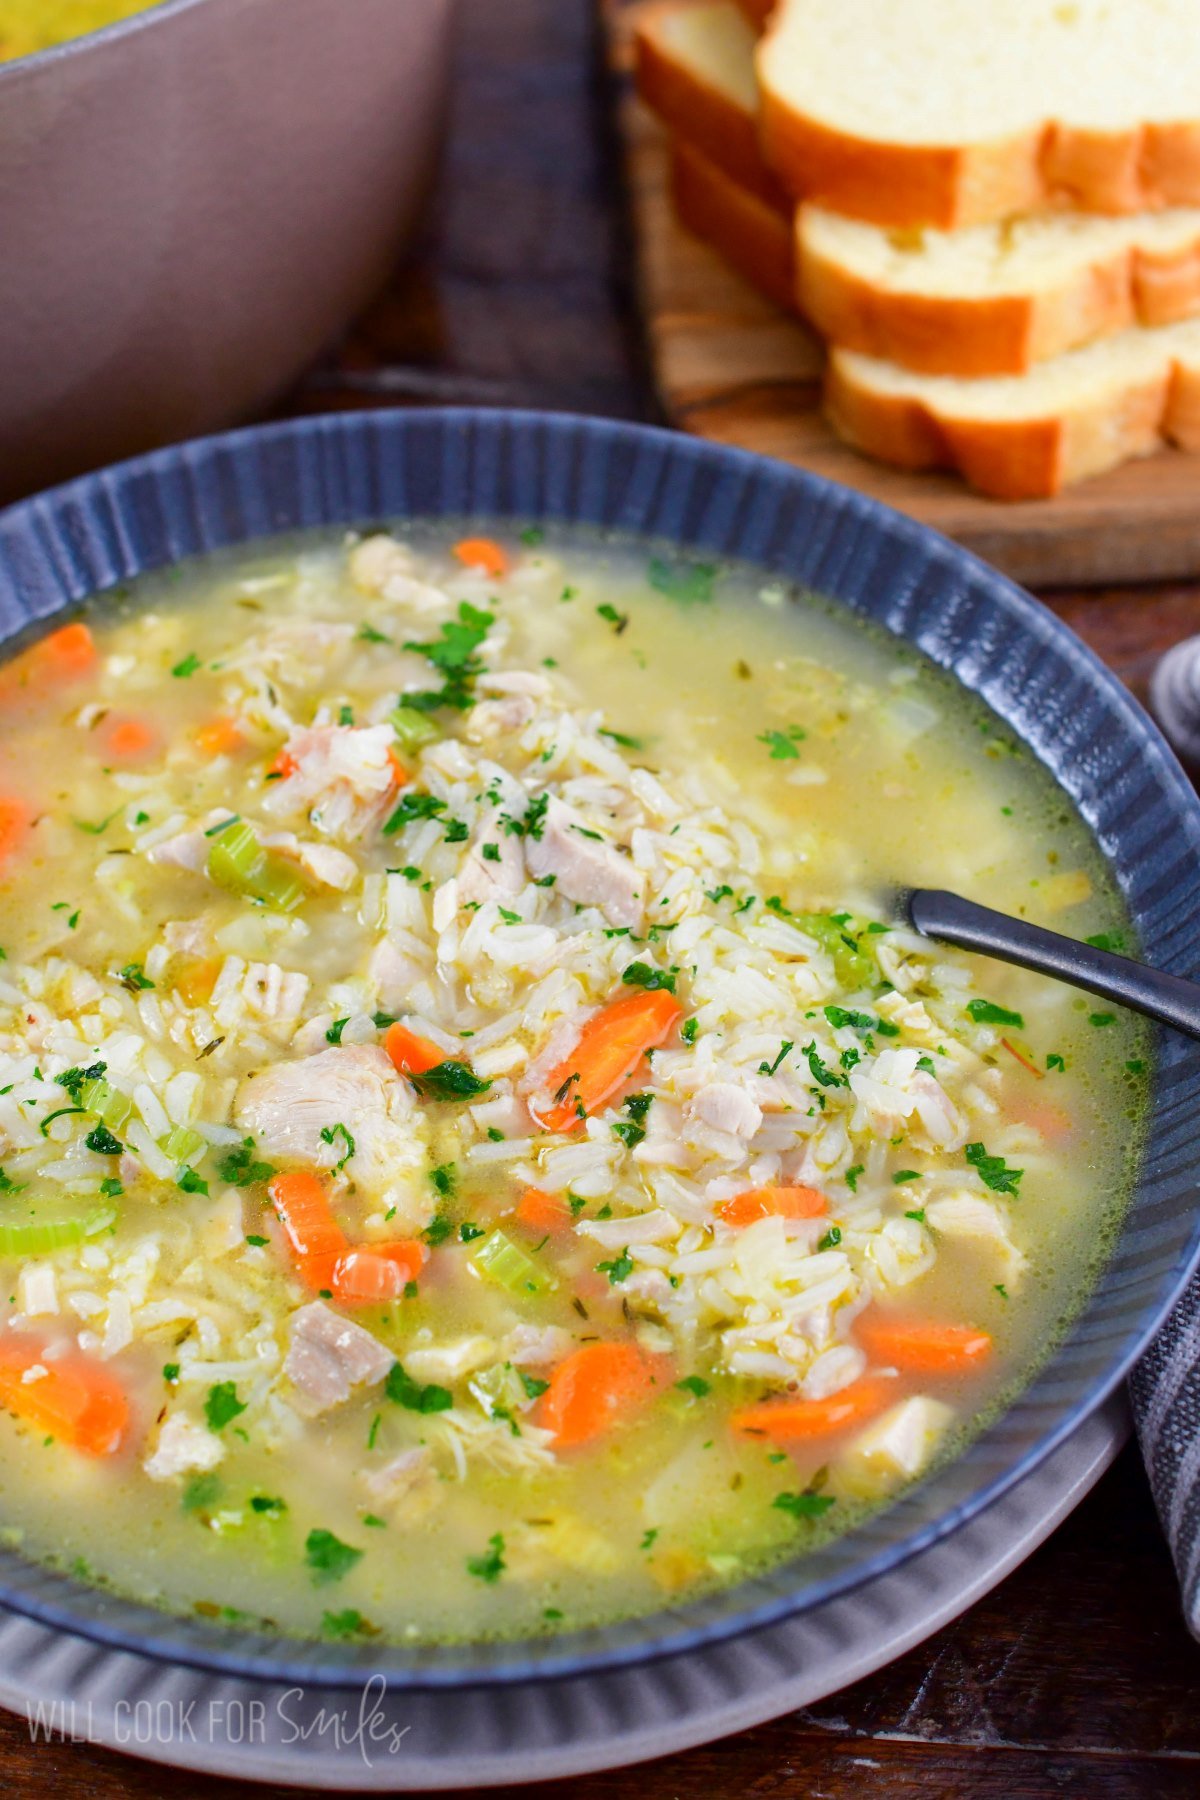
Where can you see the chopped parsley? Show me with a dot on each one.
(826, 1076)
(334, 1033)
(101, 1140)
(640, 974)
(694, 1384)
(782, 744)
(902, 1175)
(1101, 1019)
(454, 655)
(241, 1168)
(687, 1031)
(994, 1172)
(832, 1238)
(411, 807)
(491, 1565)
(348, 1623)
(330, 1134)
(404, 1391)
(804, 1506)
(691, 584)
(533, 1384)
(189, 1182)
(851, 1177)
(134, 977)
(328, 1558)
(619, 1269)
(772, 1068)
(188, 666)
(1055, 1061)
(618, 620)
(632, 1130)
(1107, 940)
(449, 1080)
(986, 1012)
(222, 1406)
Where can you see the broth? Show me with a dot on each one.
(858, 1181)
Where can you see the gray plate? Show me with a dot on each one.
(485, 1737)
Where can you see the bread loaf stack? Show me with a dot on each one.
(990, 210)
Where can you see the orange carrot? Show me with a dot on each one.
(14, 824)
(66, 653)
(377, 1271)
(316, 1238)
(483, 553)
(400, 775)
(765, 1202)
(197, 981)
(610, 1047)
(77, 1400)
(781, 1420)
(126, 739)
(218, 737)
(927, 1346)
(594, 1388)
(411, 1053)
(542, 1213)
(284, 766)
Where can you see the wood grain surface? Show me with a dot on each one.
(1076, 1676)
(730, 365)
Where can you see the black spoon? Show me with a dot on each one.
(1168, 998)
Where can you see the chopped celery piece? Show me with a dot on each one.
(412, 728)
(234, 857)
(105, 1103)
(500, 1260)
(182, 1144)
(36, 1237)
(237, 861)
(498, 1389)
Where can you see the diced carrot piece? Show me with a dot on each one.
(375, 1272)
(610, 1047)
(927, 1346)
(125, 739)
(14, 826)
(542, 1213)
(594, 1388)
(218, 737)
(308, 1222)
(77, 1400)
(483, 553)
(197, 981)
(284, 766)
(411, 1053)
(767, 1202)
(66, 653)
(400, 775)
(782, 1420)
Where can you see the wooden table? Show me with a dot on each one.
(1076, 1676)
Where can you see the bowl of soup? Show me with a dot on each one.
(194, 199)
(490, 1184)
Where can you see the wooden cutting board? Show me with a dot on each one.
(730, 366)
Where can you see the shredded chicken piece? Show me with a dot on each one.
(288, 1105)
(184, 1447)
(328, 1356)
(589, 871)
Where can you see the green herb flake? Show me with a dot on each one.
(783, 744)
(222, 1406)
(329, 1135)
(404, 1391)
(491, 1565)
(694, 1384)
(804, 1506)
(328, 1558)
(986, 1012)
(334, 1034)
(188, 666)
(691, 584)
(449, 1080)
(993, 1171)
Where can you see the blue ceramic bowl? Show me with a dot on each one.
(1107, 757)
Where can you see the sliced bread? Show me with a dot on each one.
(695, 69)
(752, 236)
(1025, 437)
(957, 112)
(994, 299)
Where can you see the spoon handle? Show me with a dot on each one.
(1168, 998)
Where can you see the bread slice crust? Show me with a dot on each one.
(1026, 437)
(750, 234)
(1049, 164)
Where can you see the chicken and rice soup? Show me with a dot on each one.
(479, 1156)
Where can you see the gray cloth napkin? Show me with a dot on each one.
(1165, 1389)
